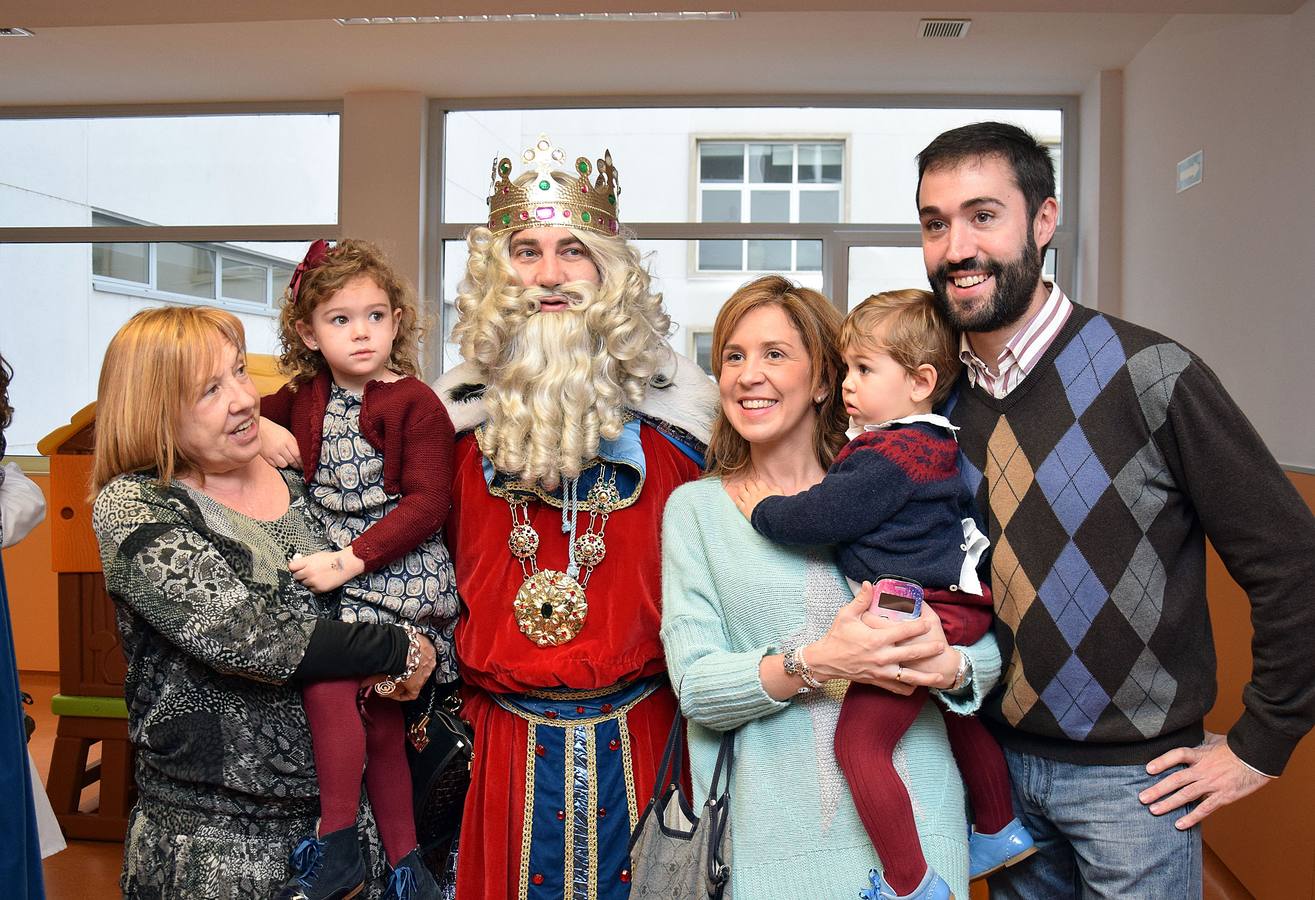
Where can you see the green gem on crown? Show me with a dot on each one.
(544, 185)
(611, 198)
(505, 167)
(506, 218)
(585, 217)
(583, 167)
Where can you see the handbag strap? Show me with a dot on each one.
(672, 765)
(718, 816)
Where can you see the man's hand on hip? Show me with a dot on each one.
(1214, 776)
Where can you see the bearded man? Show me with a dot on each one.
(579, 421)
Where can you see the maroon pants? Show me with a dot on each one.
(349, 738)
(872, 721)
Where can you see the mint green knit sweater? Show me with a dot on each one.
(730, 597)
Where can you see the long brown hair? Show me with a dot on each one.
(153, 371)
(345, 261)
(818, 324)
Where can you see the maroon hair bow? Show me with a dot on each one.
(314, 256)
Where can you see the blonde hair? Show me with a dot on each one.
(348, 259)
(549, 405)
(916, 335)
(818, 323)
(153, 372)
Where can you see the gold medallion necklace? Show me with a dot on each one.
(551, 606)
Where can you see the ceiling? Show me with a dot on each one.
(145, 51)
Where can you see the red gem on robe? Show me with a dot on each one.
(607, 708)
(601, 812)
(550, 714)
(613, 744)
(538, 750)
(537, 879)
(561, 814)
(579, 710)
(625, 876)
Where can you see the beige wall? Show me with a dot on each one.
(1225, 267)
(1100, 251)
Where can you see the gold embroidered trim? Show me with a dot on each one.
(591, 754)
(569, 694)
(536, 719)
(527, 825)
(628, 767)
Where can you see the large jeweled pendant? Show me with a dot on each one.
(550, 608)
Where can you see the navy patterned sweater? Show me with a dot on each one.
(1098, 480)
(892, 501)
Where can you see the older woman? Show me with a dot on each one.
(196, 531)
(733, 603)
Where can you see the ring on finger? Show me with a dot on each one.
(899, 673)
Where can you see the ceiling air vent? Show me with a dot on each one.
(943, 28)
(15, 32)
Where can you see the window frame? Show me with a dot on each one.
(837, 239)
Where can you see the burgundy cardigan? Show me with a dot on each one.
(405, 421)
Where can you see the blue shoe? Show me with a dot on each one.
(327, 868)
(988, 853)
(411, 880)
(930, 888)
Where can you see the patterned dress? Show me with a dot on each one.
(348, 490)
(212, 626)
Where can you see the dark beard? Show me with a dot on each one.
(1015, 282)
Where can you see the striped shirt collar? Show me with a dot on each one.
(1020, 355)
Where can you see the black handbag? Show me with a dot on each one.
(439, 749)
(674, 854)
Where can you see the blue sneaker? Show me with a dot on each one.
(411, 880)
(988, 853)
(930, 888)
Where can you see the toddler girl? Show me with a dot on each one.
(376, 445)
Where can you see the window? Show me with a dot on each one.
(103, 216)
(767, 182)
(820, 190)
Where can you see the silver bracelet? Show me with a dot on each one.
(790, 661)
(964, 673)
(388, 685)
(806, 671)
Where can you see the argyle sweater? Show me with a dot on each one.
(1097, 480)
(892, 502)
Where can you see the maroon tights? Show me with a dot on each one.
(872, 721)
(348, 740)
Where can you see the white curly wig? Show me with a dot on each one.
(557, 382)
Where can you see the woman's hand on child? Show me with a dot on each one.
(326, 570)
(942, 668)
(278, 446)
(868, 649)
(750, 492)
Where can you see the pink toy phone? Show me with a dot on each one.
(895, 598)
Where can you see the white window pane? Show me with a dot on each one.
(1049, 264)
(769, 206)
(177, 170)
(819, 206)
(771, 163)
(876, 269)
(719, 162)
(721, 256)
(183, 269)
(49, 287)
(820, 163)
(769, 256)
(808, 256)
(245, 281)
(282, 276)
(702, 350)
(721, 206)
(127, 262)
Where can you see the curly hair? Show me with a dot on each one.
(915, 334)
(554, 383)
(6, 411)
(349, 259)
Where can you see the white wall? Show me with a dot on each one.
(1225, 267)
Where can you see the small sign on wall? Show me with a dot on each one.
(1189, 171)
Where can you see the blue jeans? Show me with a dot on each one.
(1094, 838)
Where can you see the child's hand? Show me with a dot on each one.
(278, 446)
(752, 491)
(326, 570)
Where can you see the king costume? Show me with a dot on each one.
(564, 671)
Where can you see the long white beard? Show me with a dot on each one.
(554, 393)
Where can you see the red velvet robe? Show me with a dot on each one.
(619, 642)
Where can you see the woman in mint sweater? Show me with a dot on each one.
(763, 638)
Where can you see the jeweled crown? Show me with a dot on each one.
(554, 196)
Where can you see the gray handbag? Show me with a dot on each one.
(675, 855)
